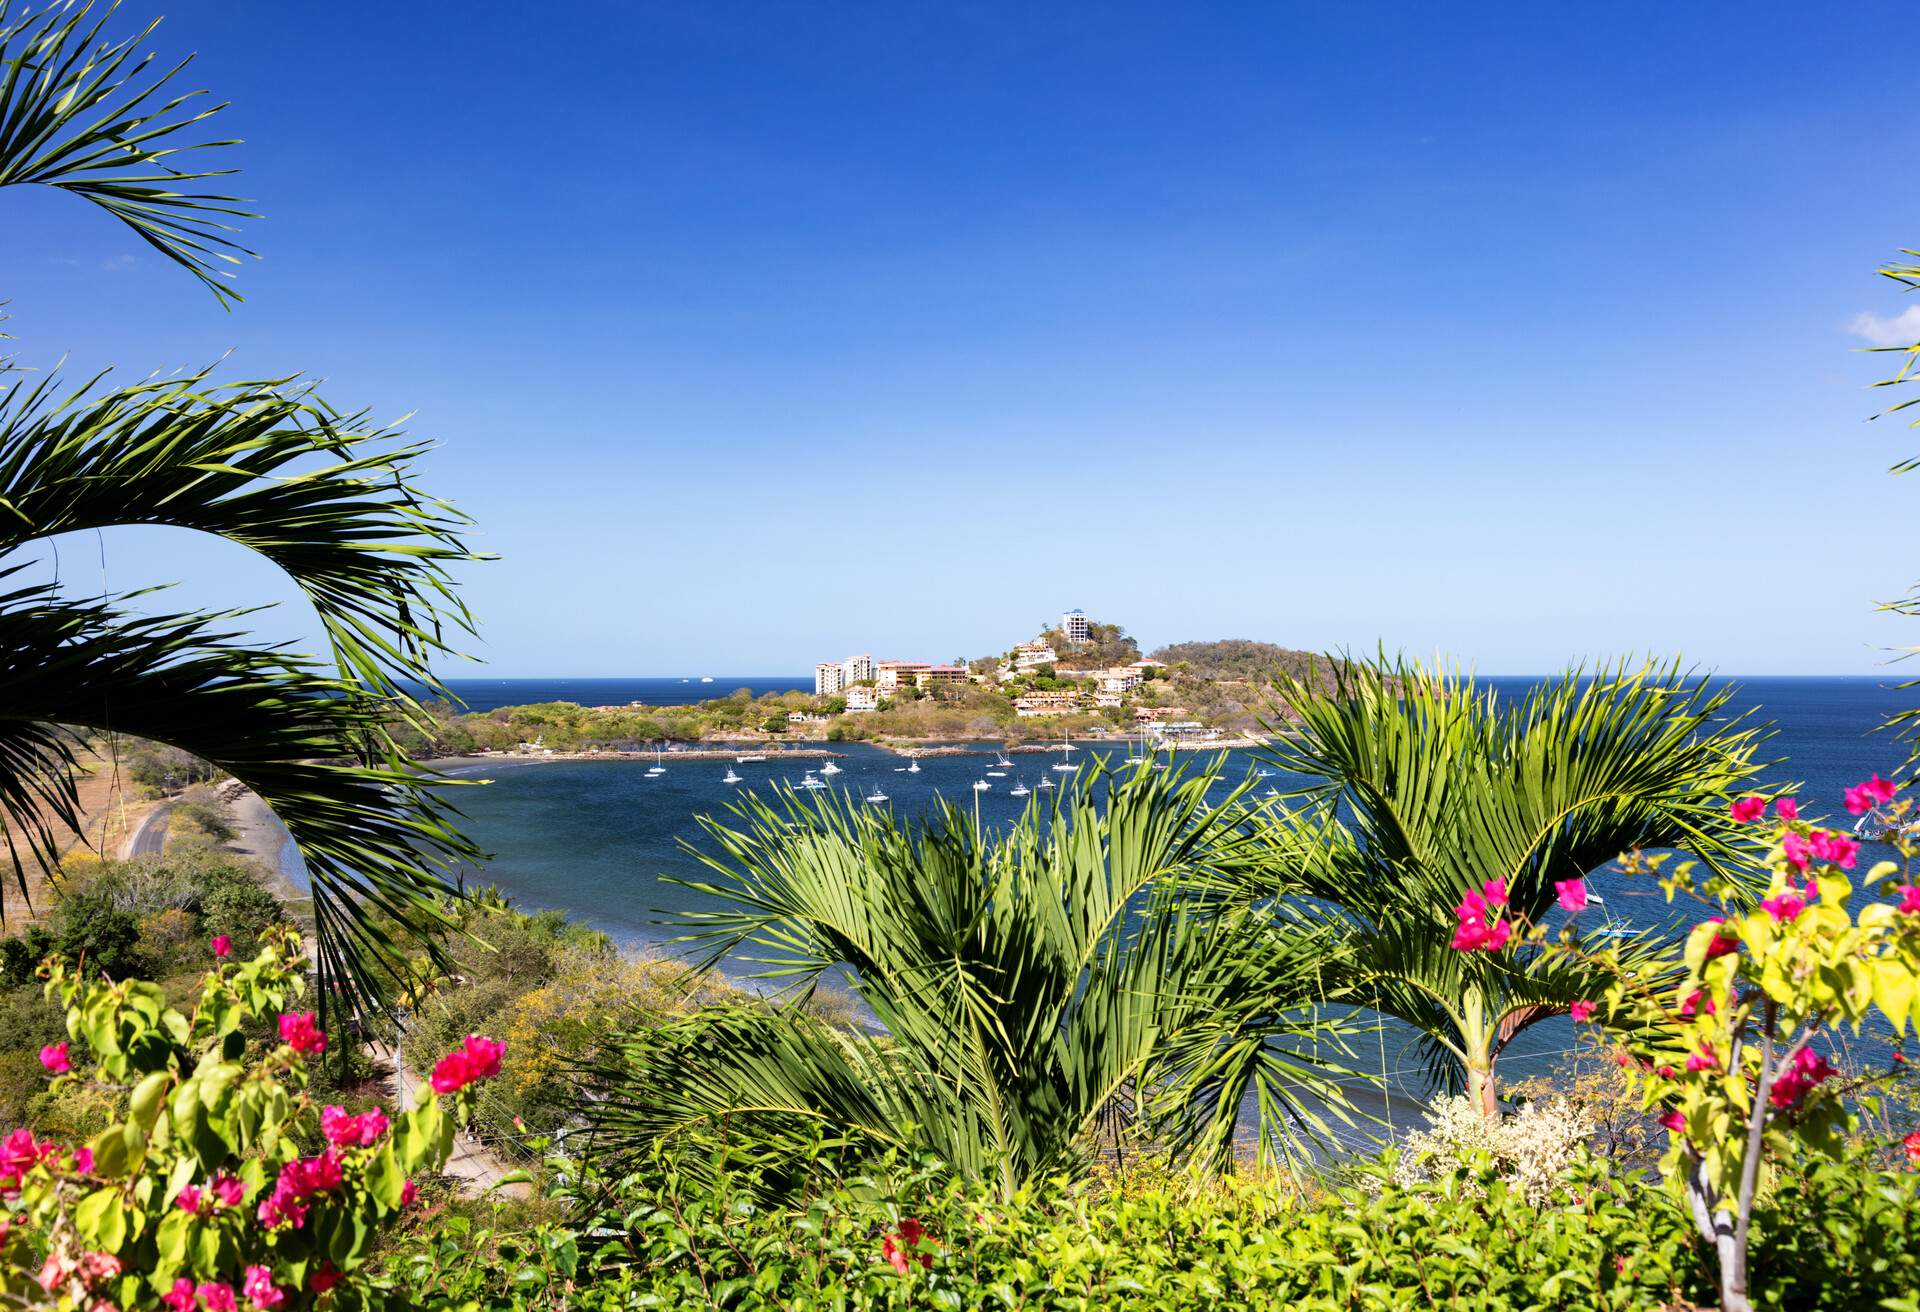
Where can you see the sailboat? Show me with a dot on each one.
(731, 777)
(656, 768)
(829, 768)
(914, 768)
(1065, 763)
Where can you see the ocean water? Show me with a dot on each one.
(600, 839)
(594, 838)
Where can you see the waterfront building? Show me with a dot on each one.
(829, 677)
(1074, 625)
(892, 676)
(857, 669)
(863, 697)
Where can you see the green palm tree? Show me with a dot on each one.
(327, 497)
(1422, 786)
(1030, 988)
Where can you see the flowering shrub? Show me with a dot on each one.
(201, 1196)
(1720, 1033)
(1531, 1150)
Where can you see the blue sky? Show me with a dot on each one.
(757, 335)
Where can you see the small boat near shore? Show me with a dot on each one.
(749, 758)
(732, 776)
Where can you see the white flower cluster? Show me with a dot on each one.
(1530, 1149)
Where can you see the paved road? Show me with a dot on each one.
(150, 839)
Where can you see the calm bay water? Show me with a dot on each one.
(594, 838)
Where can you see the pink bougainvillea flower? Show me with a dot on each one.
(1581, 1010)
(180, 1297)
(55, 1272)
(1746, 810)
(1694, 1000)
(1667, 1072)
(1786, 808)
(1725, 939)
(1495, 891)
(898, 1247)
(1478, 931)
(1912, 1144)
(345, 1131)
(83, 1161)
(188, 1199)
(1703, 1060)
(1784, 906)
(302, 1033)
(258, 1287)
(476, 1058)
(1572, 894)
(54, 1058)
(1796, 849)
(222, 945)
(1837, 848)
(1909, 899)
(216, 1296)
(323, 1279)
(1807, 1070)
(1675, 1121)
(409, 1194)
(1862, 798)
(228, 1190)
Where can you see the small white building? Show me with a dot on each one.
(863, 699)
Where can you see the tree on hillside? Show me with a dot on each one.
(326, 496)
(1424, 788)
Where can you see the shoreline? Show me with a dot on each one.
(920, 749)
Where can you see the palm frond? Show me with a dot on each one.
(325, 496)
(374, 837)
(1025, 984)
(91, 118)
(1423, 785)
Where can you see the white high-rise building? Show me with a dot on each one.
(1074, 625)
(829, 677)
(856, 669)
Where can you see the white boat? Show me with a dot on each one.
(707, 679)
(653, 770)
(750, 756)
(1065, 763)
(810, 783)
(1003, 761)
(996, 774)
(1065, 767)
(730, 777)
(981, 785)
(1020, 790)
(829, 768)
(899, 769)
(914, 768)
(1045, 783)
(876, 797)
